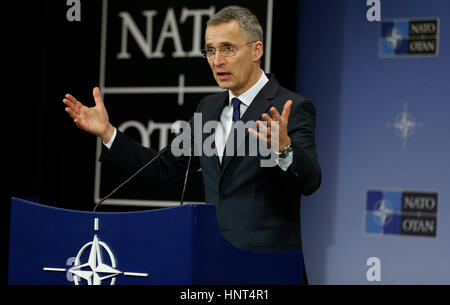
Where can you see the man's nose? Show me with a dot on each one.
(219, 59)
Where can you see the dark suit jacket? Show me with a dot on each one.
(258, 208)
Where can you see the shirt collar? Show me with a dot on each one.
(247, 97)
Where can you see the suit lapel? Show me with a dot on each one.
(213, 114)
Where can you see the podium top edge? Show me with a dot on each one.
(31, 203)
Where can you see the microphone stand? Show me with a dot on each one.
(132, 176)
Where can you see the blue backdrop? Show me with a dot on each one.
(382, 130)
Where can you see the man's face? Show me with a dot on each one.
(239, 72)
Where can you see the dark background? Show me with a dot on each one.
(46, 56)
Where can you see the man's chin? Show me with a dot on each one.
(223, 85)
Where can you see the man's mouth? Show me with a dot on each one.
(223, 75)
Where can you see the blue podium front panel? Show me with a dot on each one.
(171, 246)
(216, 261)
(134, 248)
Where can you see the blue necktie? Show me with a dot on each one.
(236, 109)
(236, 117)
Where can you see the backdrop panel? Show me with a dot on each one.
(382, 98)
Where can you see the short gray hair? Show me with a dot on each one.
(250, 25)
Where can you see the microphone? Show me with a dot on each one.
(132, 176)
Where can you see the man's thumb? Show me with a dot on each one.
(97, 96)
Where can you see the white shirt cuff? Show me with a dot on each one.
(284, 163)
(110, 142)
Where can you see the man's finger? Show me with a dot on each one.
(71, 98)
(76, 105)
(253, 132)
(77, 122)
(275, 114)
(261, 127)
(71, 105)
(97, 96)
(264, 131)
(286, 110)
(257, 134)
(267, 118)
(72, 114)
(68, 102)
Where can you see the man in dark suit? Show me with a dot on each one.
(258, 207)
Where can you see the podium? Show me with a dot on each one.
(171, 246)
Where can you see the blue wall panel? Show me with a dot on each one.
(359, 98)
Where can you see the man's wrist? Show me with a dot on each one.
(109, 133)
(283, 146)
(287, 150)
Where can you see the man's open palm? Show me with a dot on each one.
(94, 120)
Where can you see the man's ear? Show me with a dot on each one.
(258, 50)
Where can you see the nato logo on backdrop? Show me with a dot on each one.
(401, 213)
(409, 37)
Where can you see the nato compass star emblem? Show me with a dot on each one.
(394, 37)
(404, 124)
(383, 213)
(95, 270)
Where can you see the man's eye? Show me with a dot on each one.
(229, 48)
(211, 50)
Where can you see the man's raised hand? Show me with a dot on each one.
(94, 120)
(275, 135)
